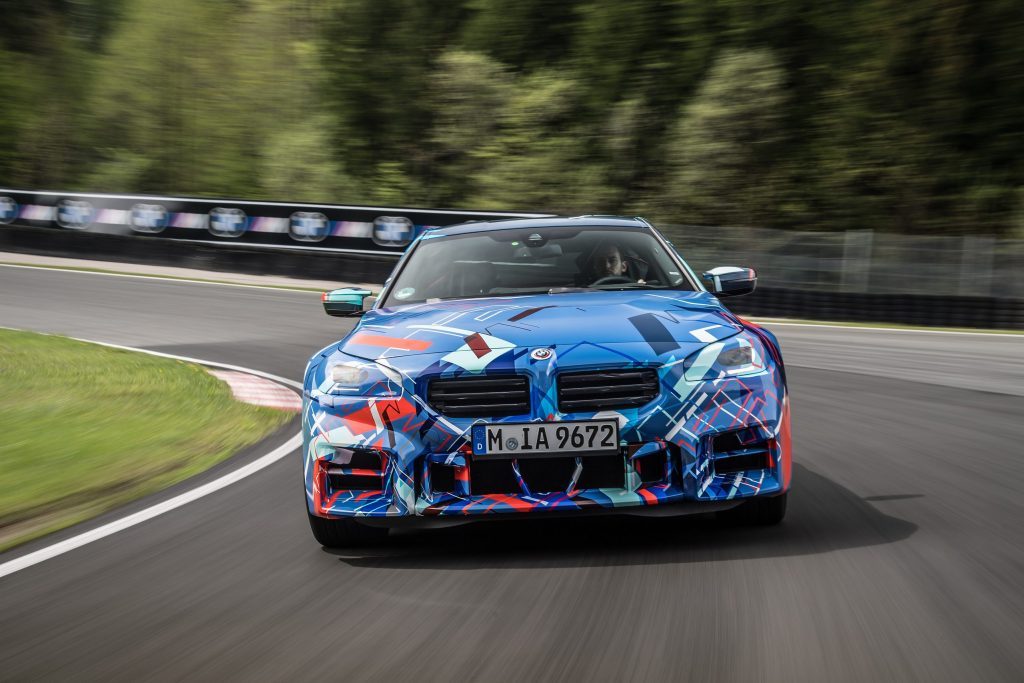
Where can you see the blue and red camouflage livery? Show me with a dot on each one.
(712, 437)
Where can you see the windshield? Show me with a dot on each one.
(534, 261)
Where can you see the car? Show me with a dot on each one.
(544, 367)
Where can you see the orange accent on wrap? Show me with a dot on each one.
(391, 408)
(390, 342)
(514, 503)
(319, 477)
(786, 437)
(364, 473)
(648, 496)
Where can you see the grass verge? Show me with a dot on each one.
(85, 428)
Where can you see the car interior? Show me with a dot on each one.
(514, 263)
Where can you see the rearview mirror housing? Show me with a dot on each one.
(347, 302)
(731, 281)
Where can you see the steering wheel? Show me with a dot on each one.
(612, 280)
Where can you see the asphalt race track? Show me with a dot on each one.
(902, 556)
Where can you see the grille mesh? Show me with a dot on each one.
(480, 396)
(546, 475)
(606, 389)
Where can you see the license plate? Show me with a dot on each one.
(546, 438)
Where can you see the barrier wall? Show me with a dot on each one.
(362, 244)
(338, 227)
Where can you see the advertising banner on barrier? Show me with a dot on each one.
(363, 229)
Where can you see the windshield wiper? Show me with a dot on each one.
(630, 285)
(570, 290)
(496, 293)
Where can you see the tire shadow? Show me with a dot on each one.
(822, 517)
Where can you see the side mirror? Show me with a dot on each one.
(347, 302)
(731, 281)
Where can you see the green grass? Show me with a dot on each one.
(84, 428)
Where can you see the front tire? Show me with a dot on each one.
(344, 533)
(759, 511)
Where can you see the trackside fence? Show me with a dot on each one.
(862, 261)
(969, 281)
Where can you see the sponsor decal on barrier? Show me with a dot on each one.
(149, 218)
(227, 222)
(8, 210)
(392, 231)
(75, 214)
(309, 226)
(269, 224)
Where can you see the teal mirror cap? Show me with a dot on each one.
(347, 295)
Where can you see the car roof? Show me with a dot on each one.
(538, 223)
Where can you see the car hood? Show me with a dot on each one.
(474, 331)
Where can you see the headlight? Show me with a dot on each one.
(355, 377)
(348, 374)
(735, 357)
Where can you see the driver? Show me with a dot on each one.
(607, 261)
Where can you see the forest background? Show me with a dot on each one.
(890, 115)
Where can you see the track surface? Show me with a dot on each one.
(902, 555)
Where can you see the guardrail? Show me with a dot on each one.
(335, 227)
(817, 276)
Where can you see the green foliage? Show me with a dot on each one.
(537, 158)
(892, 115)
(181, 106)
(468, 93)
(722, 148)
(522, 34)
(15, 114)
(88, 428)
(316, 177)
(378, 56)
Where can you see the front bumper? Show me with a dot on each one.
(667, 457)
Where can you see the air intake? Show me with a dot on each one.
(480, 396)
(606, 389)
(356, 470)
(740, 451)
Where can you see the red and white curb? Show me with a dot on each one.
(250, 468)
(258, 391)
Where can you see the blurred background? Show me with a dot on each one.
(864, 146)
(865, 156)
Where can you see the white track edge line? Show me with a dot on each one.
(69, 544)
(770, 323)
(198, 361)
(168, 278)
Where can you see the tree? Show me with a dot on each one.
(189, 97)
(378, 55)
(468, 92)
(538, 160)
(298, 164)
(722, 144)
